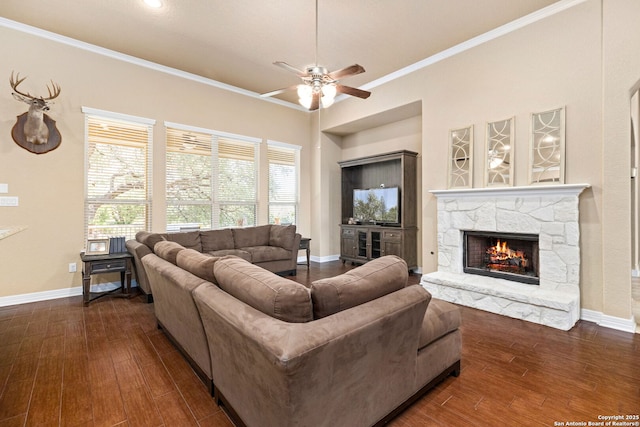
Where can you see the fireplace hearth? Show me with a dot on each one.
(511, 256)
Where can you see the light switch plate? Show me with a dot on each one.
(4, 188)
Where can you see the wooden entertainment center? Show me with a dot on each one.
(362, 242)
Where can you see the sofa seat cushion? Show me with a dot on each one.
(251, 236)
(267, 253)
(372, 280)
(198, 264)
(168, 250)
(235, 252)
(217, 240)
(263, 290)
(282, 236)
(188, 239)
(440, 318)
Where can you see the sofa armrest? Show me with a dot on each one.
(139, 250)
(275, 373)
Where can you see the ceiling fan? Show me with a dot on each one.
(319, 86)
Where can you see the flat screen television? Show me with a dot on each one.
(377, 205)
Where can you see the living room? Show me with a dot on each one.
(582, 57)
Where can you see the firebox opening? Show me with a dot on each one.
(510, 256)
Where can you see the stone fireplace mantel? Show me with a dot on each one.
(549, 211)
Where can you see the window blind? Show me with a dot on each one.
(188, 179)
(117, 177)
(283, 183)
(211, 178)
(235, 200)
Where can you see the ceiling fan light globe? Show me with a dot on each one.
(305, 91)
(329, 91)
(305, 102)
(327, 101)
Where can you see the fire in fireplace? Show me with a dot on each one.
(504, 255)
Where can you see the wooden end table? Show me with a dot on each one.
(305, 244)
(111, 263)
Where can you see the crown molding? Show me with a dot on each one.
(512, 26)
(462, 47)
(38, 32)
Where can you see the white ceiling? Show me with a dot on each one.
(236, 41)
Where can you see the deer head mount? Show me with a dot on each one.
(34, 130)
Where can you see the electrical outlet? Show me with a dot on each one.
(72, 267)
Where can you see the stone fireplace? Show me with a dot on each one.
(514, 251)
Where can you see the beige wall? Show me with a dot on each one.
(555, 62)
(50, 186)
(585, 59)
(621, 74)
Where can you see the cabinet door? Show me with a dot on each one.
(348, 243)
(376, 244)
(392, 242)
(363, 244)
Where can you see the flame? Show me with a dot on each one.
(502, 252)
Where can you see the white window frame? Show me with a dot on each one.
(147, 201)
(216, 203)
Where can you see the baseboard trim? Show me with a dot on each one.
(57, 293)
(606, 321)
(329, 258)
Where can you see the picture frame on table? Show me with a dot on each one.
(98, 246)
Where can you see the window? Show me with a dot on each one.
(118, 174)
(283, 182)
(211, 179)
(189, 180)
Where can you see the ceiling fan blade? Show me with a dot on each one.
(353, 91)
(346, 72)
(291, 68)
(279, 91)
(315, 102)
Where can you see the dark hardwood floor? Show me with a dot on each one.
(108, 364)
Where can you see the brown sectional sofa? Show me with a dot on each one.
(272, 247)
(355, 349)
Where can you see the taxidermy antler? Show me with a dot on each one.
(35, 130)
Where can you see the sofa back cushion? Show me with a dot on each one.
(372, 280)
(217, 240)
(263, 290)
(251, 236)
(188, 239)
(168, 250)
(198, 264)
(282, 236)
(150, 239)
